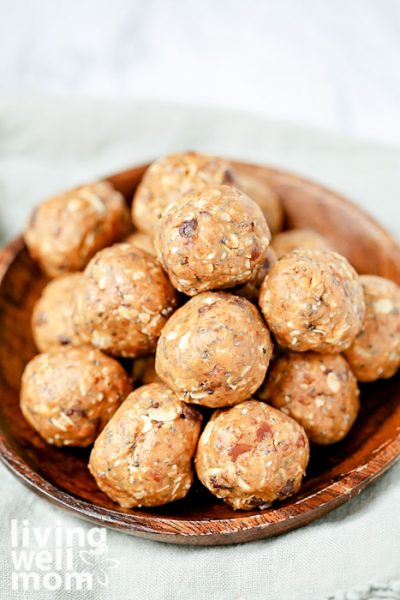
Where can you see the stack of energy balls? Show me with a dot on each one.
(276, 355)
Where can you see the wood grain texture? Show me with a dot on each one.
(336, 473)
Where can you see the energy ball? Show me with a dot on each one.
(266, 199)
(144, 455)
(169, 178)
(69, 394)
(52, 322)
(144, 370)
(313, 300)
(251, 289)
(214, 350)
(213, 238)
(123, 301)
(67, 230)
(375, 352)
(296, 239)
(251, 455)
(143, 241)
(319, 391)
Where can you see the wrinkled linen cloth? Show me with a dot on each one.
(351, 554)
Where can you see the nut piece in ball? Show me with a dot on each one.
(213, 238)
(251, 455)
(69, 394)
(266, 199)
(143, 241)
(298, 239)
(375, 352)
(214, 350)
(169, 178)
(123, 301)
(313, 300)
(144, 455)
(52, 322)
(67, 230)
(318, 390)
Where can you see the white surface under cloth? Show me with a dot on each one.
(46, 146)
(332, 65)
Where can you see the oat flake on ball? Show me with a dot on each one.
(69, 394)
(375, 352)
(123, 301)
(313, 300)
(144, 455)
(214, 237)
(66, 231)
(169, 178)
(319, 391)
(251, 455)
(214, 350)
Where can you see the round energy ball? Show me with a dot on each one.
(144, 370)
(375, 352)
(67, 230)
(144, 455)
(296, 239)
(52, 322)
(251, 455)
(313, 300)
(214, 350)
(123, 301)
(169, 178)
(213, 238)
(266, 199)
(251, 289)
(69, 394)
(143, 241)
(319, 391)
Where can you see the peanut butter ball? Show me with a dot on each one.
(52, 322)
(375, 352)
(144, 455)
(213, 238)
(123, 301)
(143, 241)
(319, 391)
(251, 289)
(214, 350)
(313, 300)
(67, 230)
(169, 178)
(69, 394)
(265, 197)
(251, 455)
(298, 239)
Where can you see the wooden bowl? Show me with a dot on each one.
(336, 473)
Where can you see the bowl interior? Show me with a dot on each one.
(353, 233)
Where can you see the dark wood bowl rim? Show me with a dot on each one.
(273, 521)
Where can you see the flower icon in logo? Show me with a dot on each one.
(98, 563)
